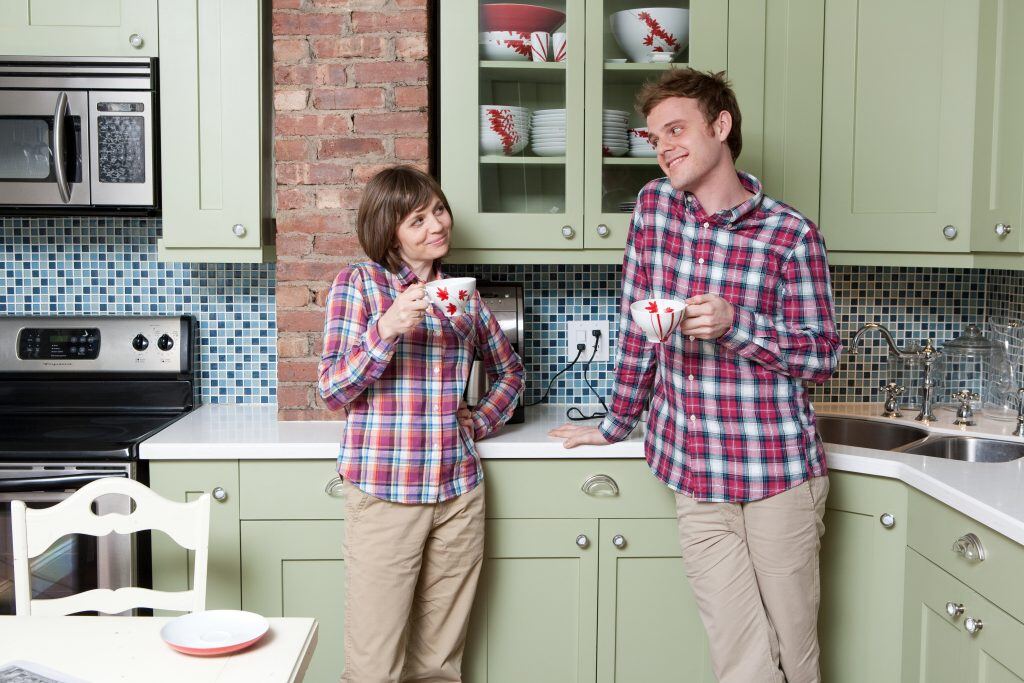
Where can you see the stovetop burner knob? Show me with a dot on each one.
(165, 342)
(140, 343)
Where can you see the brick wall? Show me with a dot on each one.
(350, 97)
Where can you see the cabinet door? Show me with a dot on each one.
(509, 191)
(296, 569)
(897, 122)
(213, 141)
(862, 579)
(172, 564)
(995, 654)
(649, 628)
(97, 28)
(535, 617)
(999, 137)
(934, 644)
(615, 174)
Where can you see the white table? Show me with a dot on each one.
(102, 649)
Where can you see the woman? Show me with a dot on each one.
(414, 505)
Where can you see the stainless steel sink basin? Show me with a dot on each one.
(968, 449)
(852, 431)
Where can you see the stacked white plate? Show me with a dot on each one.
(548, 133)
(504, 129)
(614, 138)
(640, 144)
(627, 207)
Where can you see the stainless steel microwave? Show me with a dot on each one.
(77, 135)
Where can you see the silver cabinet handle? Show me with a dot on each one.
(59, 113)
(887, 519)
(136, 41)
(582, 541)
(333, 487)
(973, 625)
(219, 494)
(619, 541)
(954, 609)
(970, 547)
(600, 485)
(238, 229)
(949, 232)
(567, 232)
(603, 231)
(1003, 229)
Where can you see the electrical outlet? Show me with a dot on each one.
(580, 332)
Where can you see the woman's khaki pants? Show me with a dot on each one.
(411, 575)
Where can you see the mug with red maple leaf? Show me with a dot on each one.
(451, 295)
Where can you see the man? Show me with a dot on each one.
(731, 429)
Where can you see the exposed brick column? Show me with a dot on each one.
(350, 98)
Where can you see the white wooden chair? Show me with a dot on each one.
(36, 530)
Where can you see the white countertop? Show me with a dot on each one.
(992, 493)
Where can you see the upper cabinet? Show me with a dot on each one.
(215, 131)
(73, 28)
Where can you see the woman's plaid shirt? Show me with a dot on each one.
(729, 418)
(402, 441)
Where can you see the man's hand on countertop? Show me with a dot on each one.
(577, 435)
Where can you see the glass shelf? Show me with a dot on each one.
(535, 72)
(536, 161)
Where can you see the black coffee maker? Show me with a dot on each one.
(506, 303)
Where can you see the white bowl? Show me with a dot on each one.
(492, 144)
(451, 295)
(658, 318)
(647, 153)
(644, 30)
(507, 46)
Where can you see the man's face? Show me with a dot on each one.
(688, 147)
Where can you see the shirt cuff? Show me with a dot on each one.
(379, 349)
(613, 429)
(741, 334)
(480, 426)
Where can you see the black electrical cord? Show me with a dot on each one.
(580, 348)
(579, 417)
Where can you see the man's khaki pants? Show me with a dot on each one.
(753, 568)
(411, 575)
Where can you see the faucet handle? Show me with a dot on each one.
(965, 414)
(891, 407)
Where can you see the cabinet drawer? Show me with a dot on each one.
(935, 527)
(554, 488)
(289, 489)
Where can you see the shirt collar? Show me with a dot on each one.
(406, 277)
(736, 213)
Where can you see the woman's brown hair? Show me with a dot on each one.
(711, 90)
(389, 197)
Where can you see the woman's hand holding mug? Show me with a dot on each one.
(405, 313)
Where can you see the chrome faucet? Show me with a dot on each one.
(927, 355)
(1019, 431)
(867, 327)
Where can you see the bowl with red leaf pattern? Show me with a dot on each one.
(451, 294)
(644, 31)
(658, 318)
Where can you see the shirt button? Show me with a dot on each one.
(707, 225)
(690, 378)
(700, 260)
(437, 406)
(693, 418)
(691, 337)
(437, 370)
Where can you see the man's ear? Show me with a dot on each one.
(722, 125)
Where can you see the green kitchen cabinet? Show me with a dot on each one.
(215, 131)
(172, 564)
(862, 556)
(73, 28)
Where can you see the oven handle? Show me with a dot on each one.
(59, 114)
(60, 483)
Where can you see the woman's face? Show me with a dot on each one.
(425, 234)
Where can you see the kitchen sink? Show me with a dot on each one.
(968, 449)
(852, 431)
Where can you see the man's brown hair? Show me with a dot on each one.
(388, 198)
(711, 90)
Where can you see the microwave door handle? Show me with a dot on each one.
(59, 114)
(59, 483)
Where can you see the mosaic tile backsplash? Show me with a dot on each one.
(109, 266)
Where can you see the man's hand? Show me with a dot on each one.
(466, 418)
(577, 435)
(708, 316)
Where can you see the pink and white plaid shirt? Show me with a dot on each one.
(402, 441)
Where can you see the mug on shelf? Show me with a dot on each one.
(539, 41)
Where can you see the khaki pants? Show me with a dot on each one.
(753, 568)
(411, 575)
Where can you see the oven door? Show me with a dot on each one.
(76, 562)
(44, 148)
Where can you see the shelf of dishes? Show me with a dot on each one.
(506, 130)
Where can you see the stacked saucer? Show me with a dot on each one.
(640, 144)
(614, 138)
(548, 132)
(627, 207)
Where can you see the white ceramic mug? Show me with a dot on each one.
(539, 41)
(452, 294)
(558, 47)
(658, 318)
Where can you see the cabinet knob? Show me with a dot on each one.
(582, 541)
(136, 41)
(219, 494)
(973, 625)
(238, 229)
(603, 231)
(954, 609)
(600, 485)
(1003, 229)
(949, 232)
(970, 547)
(333, 487)
(887, 519)
(567, 232)
(619, 541)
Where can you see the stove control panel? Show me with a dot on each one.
(49, 342)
